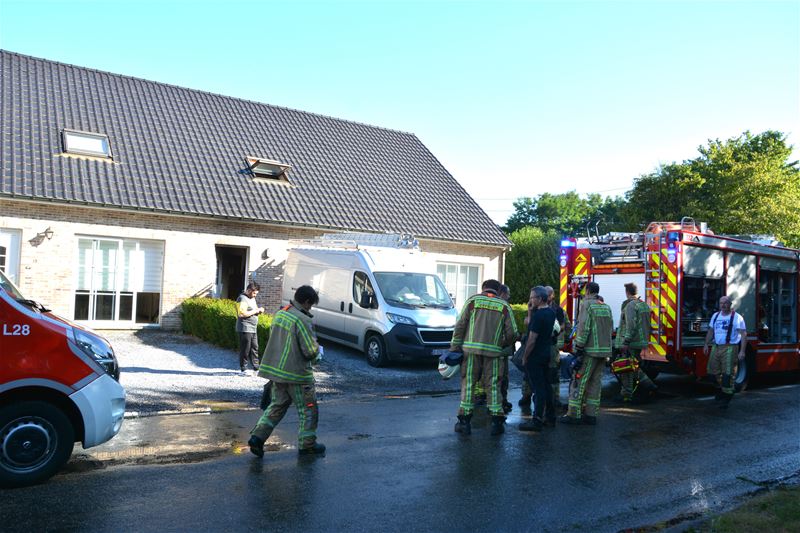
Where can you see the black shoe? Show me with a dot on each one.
(316, 449)
(463, 425)
(531, 425)
(725, 400)
(589, 420)
(256, 446)
(507, 407)
(498, 425)
(570, 420)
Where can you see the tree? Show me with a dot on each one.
(566, 213)
(744, 185)
(532, 261)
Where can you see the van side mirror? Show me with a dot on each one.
(367, 300)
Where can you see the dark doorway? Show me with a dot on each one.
(231, 271)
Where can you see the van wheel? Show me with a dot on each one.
(36, 439)
(745, 371)
(651, 372)
(375, 349)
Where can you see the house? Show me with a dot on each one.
(121, 197)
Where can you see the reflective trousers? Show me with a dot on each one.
(304, 398)
(585, 388)
(491, 371)
(722, 364)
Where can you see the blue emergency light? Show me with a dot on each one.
(567, 244)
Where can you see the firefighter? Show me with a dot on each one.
(632, 340)
(727, 329)
(592, 348)
(286, 362)
(558, 342)
(483, 330)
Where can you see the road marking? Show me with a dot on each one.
(785, 387)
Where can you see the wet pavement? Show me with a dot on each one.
(394, 464)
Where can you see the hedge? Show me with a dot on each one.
(520, 312)
(214, 321)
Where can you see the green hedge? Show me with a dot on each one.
(214, 321)
(520, 312)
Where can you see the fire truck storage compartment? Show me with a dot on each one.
(703, 285)
(778, 300)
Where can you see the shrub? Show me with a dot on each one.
(532, 261)
(214, 321)
(520, 312)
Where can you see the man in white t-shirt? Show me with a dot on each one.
(727, 329)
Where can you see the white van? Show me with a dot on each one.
(377, 293)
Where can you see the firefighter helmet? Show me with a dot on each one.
(448, 371)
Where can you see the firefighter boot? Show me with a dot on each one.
(315, 449)
(570, 420)
(464, 425)
(498, 425)
(725, 400)
(256, 446)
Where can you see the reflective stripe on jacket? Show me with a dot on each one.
(595, 327)
(291, 347)
(634, 324)
(485, 326)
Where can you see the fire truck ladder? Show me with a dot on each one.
(654, 283)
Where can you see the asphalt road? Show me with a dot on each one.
(394, 464)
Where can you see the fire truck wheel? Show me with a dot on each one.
(36, 439)
(745, 371)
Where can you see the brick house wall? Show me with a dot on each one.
(48, 268)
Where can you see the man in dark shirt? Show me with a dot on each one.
(537, 360)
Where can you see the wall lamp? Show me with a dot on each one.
(48, 233)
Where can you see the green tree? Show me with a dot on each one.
(566, 213)
(744, 185)
(532, 261)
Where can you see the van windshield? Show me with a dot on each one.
(413, 290)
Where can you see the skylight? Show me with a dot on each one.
(85, 143)
(268, 168)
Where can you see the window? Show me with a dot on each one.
(268, 169)
(461, 280)
(10, 253)
(361, 286)
(3, 256)
(84, 143)
(119, 280)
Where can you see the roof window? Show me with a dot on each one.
(85, 143)
(268, 169)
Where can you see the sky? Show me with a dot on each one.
(514, 98)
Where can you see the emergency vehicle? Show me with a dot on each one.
(58, 385)
(682, 269)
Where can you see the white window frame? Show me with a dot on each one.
(117, 284)
(460, 289)
(11, 240)
(75, 143)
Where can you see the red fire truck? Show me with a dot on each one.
(682, 269)
(58, 385)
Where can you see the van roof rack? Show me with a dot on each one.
(355, 240)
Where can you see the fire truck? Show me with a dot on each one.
(682, 269)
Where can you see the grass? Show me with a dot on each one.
(777, 511)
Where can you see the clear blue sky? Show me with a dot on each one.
(514, 98)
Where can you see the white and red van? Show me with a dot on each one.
(58, 385)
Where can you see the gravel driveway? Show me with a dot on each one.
(170, 372)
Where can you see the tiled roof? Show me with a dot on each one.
(183, 151)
